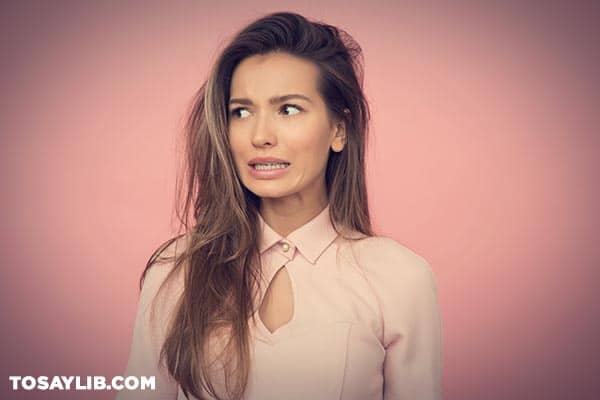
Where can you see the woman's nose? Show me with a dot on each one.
(263, 133)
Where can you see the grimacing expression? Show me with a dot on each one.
(296, 128)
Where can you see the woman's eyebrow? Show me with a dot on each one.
(272, 100)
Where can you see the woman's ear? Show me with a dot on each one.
(339, 140)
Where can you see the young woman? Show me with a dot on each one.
(280, 289)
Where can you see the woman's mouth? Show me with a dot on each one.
(268, 170)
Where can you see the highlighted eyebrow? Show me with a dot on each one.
(273, 100)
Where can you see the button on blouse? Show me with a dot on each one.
(365, 323)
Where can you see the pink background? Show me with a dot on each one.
(484, 142)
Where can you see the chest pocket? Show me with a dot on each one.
(307, 364)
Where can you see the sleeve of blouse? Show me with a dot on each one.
(147, 340)
(412, 330)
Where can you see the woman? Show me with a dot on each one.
(280, 289)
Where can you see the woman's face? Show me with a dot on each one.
(276, 111)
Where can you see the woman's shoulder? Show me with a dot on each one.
(163, 263)
(385, 258)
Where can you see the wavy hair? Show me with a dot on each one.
(221, 261)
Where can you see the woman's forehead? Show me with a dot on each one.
(274, 74)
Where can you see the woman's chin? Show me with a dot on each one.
(264, 191)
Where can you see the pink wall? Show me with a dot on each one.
(484, 142)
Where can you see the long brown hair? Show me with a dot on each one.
(220, 260)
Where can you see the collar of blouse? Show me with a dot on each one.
(311, 239)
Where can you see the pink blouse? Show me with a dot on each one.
(365, 325)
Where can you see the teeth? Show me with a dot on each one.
(270, 166)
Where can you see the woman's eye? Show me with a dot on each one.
(235, 112)
(286, 106)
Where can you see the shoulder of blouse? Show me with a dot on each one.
(382, 255)
(165, 261)
(156, 276)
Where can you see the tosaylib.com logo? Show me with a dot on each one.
(82, 383)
